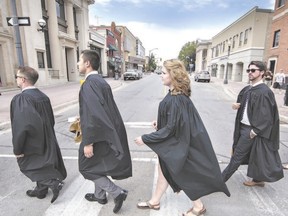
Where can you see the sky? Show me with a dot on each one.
(165, 26)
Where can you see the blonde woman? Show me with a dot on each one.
(186, 157)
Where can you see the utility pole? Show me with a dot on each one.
(17, 34)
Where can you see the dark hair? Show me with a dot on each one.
(261, 65)
(29, 74)
(92, 57)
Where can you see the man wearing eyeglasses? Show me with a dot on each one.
(34, 142)
(256, 132)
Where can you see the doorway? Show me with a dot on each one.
(70, 56)
(272, 66)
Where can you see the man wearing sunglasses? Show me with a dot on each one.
(256, 132)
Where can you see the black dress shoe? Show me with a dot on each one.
(35, 193)
(56, 189)
(119, 200)
(91, 197)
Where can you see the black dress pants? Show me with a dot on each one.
(42, 186)
(241, 152)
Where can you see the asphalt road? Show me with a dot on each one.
(138, 102)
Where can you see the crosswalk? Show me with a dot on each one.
(72, 201)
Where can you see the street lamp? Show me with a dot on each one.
(226, 74)
(42, 24)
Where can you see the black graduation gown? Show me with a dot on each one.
(264, 163)
(33, 134)
(185, 152)
(102, 124)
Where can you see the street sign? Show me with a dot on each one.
(22, 21)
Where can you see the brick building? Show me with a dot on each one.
(277, 39)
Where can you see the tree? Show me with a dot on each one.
(151, 62)
(188, 54)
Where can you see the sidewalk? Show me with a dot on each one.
(233, 88)
(60, 95)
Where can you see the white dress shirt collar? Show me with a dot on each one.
(28, 87)
(90, 73)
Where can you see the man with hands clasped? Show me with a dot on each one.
(256, 132)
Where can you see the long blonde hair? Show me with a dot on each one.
(179, 77)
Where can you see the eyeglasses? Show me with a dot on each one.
(252, 70)
(16, 76)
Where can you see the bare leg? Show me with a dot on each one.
(198, 209)
(161, 187)
(197, 205)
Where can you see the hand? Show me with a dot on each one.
(236, 106)
(154, 125)
(88, 151)
(19, 156)
(139, 141)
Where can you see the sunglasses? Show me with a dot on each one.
(16, 76)
(252, 70)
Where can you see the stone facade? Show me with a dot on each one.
(235, 46)
(53, 50)
(203, 55)
(229, 52)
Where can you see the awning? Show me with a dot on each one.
(111, 47)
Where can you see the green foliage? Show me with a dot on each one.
(152, 63)
(188, 54)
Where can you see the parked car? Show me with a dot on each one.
(131, 74)
(158, 72)
(202, 76)
(140, 73)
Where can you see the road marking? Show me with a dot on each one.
(4, 197)
(5, 131)
(7, 155)
(138, 124)
(261, 200)
(76, 158)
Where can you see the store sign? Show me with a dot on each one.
(97, 38)
(135, 60)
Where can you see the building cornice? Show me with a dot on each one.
(90, 2)
(280, 15)
(6, 35)
(254, 9)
